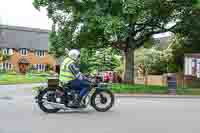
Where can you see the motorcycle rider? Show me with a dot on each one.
(70, 74)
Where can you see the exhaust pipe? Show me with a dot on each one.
(56, 105)
(61, 106)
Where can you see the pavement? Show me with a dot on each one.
(20, 114)
(158, 96)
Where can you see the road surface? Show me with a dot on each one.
(19, 114)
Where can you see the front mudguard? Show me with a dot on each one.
(104, 87)
(101, 89)
(39, 92)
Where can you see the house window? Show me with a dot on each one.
(10, 51)
(7, 51)
(40, 67)
(6, 66)
(23, 51)
(40, 53)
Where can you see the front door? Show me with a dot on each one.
(23, 68)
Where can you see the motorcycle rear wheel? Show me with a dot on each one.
(41, 103)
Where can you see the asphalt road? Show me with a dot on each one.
(19, 114)
(18, 90)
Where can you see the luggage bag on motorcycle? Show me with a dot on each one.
(53, 82)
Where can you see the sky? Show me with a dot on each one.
(22, 13)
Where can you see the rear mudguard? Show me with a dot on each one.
(40, 91)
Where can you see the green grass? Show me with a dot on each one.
(188, 91)
(138, 89)
(151, 89)
(20, 79)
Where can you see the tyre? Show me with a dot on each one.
(41, 105)
(105, 98)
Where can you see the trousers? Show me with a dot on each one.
(81, 85)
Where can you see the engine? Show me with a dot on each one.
(72, 95)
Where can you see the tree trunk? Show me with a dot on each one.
(128, 75)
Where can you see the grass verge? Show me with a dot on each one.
(151, 89)
(21, 79)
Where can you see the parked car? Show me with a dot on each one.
(106, 77)
(112, 76)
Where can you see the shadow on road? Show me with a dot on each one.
(80, 112)
(6, 98)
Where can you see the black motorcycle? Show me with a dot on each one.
(99, 97)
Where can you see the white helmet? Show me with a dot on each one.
(74, 54)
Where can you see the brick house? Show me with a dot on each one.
(26, 47)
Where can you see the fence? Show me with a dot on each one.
(161, 80)
(157, 84)
(151, 80)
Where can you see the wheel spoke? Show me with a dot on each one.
(99, 97)
(45, 100)
(44, 103)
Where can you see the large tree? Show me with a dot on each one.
(187, 41)
(121, 24)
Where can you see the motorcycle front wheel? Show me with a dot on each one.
(102, 100)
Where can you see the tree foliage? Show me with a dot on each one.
(99, 23)
(187, 41)
(121, 24)
(98, 60)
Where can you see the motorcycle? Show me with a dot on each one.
(98, 96)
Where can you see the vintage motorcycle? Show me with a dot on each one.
(99, 96)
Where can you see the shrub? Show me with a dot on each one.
(155, 61)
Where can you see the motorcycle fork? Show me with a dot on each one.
(88, 95)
